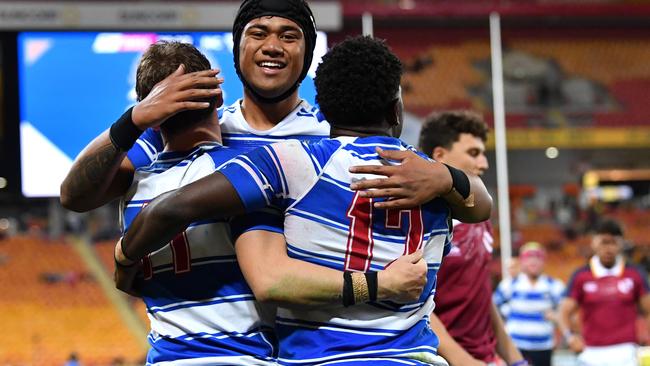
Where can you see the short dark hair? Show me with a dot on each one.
(608, 226)
(357, 81)
(444, 128)
(159, 61)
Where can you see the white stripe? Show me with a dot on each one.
(336, 329)
(262, 187)
(360, 353)
(162, 308)
(229, 317)
(226, 360)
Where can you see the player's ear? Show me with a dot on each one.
(438, 153)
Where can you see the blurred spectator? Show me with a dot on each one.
(528, 302)
(73, 360)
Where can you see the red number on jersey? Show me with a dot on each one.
(360, 242)
(181, 258)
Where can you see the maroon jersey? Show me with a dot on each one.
(608, 302)
(464, 293)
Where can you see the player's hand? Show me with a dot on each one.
(176, 93)
(124, 275)
(412, 183)
(576, 343)
(403, 279)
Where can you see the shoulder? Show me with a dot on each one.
(580, 274)
(635, 270)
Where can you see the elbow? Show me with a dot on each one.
(263, 291)
(73, 203)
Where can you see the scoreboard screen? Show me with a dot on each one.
(73, 85)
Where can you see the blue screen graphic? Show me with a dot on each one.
(73, 85)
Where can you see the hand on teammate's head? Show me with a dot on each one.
(176, 93)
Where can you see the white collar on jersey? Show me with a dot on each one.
(599, 270)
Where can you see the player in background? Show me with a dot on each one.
(325, 221)
(528, 302)
(607, 292)
(193, 319)
(468, 325)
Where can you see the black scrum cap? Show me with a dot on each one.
(297, 11)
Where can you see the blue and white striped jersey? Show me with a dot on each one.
(524, 304)
(304, 123)
(328, 224)
(201, 310)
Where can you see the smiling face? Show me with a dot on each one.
(271, 55)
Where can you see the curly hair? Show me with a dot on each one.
(357, 82)
(444, 128)
(159, 61)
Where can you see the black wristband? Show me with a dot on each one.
(348, 290)
(124, 133)
(371, 280)
(459, 181)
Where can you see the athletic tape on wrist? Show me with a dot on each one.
(459, 181)
(520, 363)
(124, 133)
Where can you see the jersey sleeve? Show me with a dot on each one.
(146, 148)
(272, 175)
(574, 288)
(642, 287)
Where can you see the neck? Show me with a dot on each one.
(264, 116)
(337, 131)
(187, 140)
(608, 265)
(532, 277)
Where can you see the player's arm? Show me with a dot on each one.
(644, 303)
(275, 277)
(449, 348)
(568, 307)
(506, 348)
(102, 171)
(170, 213)
(417, 181)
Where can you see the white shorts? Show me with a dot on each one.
(623, 354)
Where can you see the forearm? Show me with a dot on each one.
(476, 208)
(565, 311)
(88, 183)
(448, 347)
(170, 213)
(275, 277)
(506, 348)
(154, 227)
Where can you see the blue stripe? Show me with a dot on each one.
(530, 338)
(166, 288)
(317, 169)
(175, 349)
(526, 316)
(529, 295)
(278, 168)
(299, 345)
